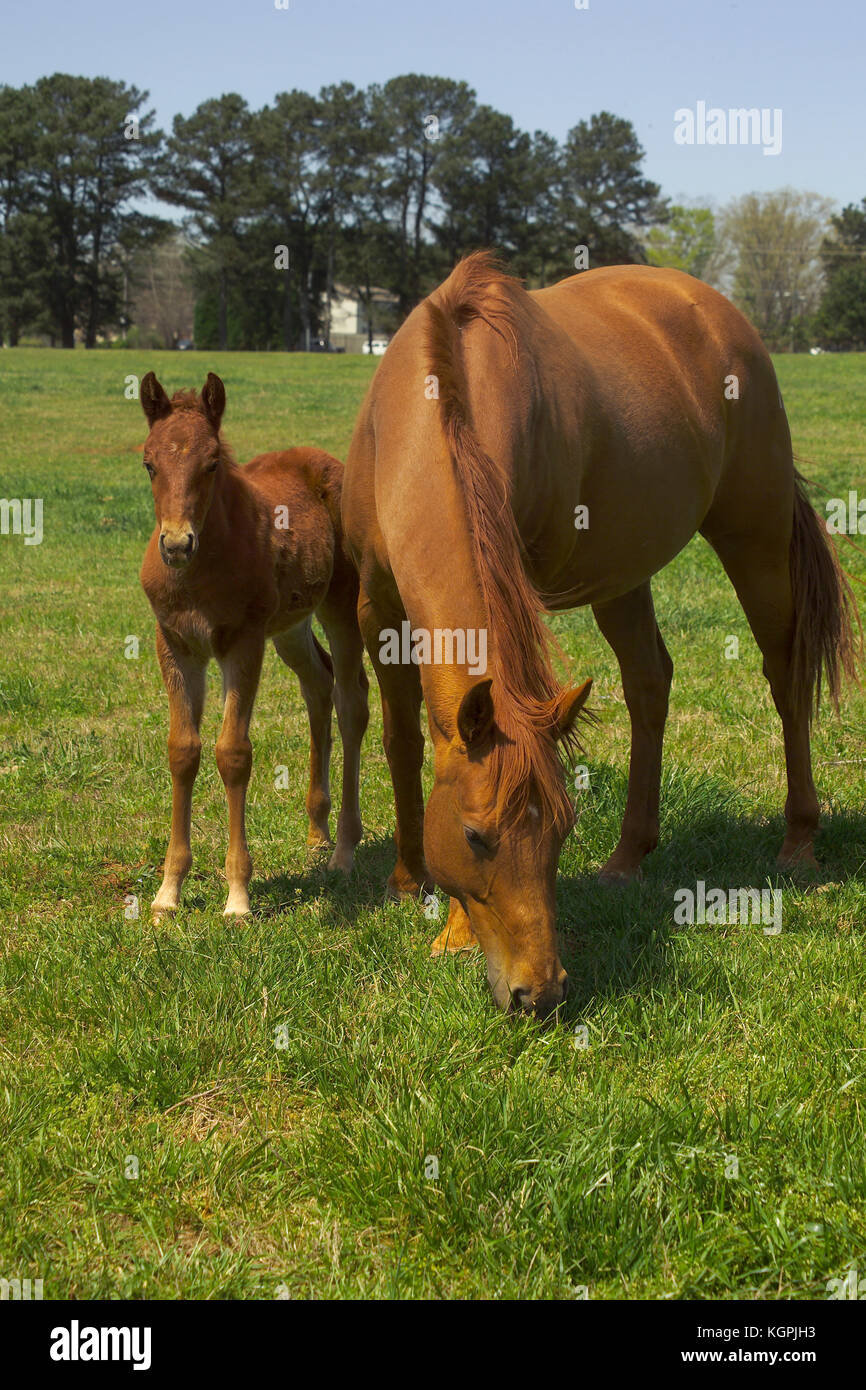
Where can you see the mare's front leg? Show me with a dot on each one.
(457, 934)
(629, 625)
(400, 688)
(184, 678)
(241, 668)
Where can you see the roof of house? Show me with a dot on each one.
(348, 292)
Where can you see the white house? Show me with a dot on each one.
(349, 326)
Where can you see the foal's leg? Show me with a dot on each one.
(299, 649)
(184, 678)
(241, 669)
(403, 741)
(340, 621)
(629, 625)
(759, 569)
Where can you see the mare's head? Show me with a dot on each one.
(182, 457)
(493, 830)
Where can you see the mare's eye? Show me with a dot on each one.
(473, 838)
(151, 471)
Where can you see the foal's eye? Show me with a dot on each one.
(473, 838)
(212, 467)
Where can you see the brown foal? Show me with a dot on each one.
(239, 555)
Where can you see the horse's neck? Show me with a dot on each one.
(447, 618)
(232, 508)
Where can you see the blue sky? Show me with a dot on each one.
(544, 62)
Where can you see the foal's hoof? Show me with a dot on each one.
(159, 911)
(238, 904)
(318, 840)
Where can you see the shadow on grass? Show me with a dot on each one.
(364, 888)
(620, 937)
(614, 938)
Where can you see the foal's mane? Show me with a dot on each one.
(186, 400)
(527, 696)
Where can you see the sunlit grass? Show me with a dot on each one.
(710, 1049)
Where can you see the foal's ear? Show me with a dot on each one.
(213, 400)
(570, 705)
(154, 401)
(475, 716)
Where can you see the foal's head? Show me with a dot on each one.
(494, 825)
(182, 456)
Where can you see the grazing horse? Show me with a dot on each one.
(526, 451)
(239, 555)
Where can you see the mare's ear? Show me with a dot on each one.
(570, 705)
(213, 401)
(475, 717)
(154, 401)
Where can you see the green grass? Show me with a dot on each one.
(559, 1166)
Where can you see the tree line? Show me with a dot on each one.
(382, 188)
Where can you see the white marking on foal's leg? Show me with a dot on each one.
(238, 904)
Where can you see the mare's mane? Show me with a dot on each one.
(527, 697)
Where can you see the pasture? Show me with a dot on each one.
(309, 1101)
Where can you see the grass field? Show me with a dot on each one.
(609, 1166)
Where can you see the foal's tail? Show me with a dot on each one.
(827, 630)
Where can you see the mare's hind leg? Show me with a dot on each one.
(339, 617)
(759, 568)
(629, 626)
(298, 648)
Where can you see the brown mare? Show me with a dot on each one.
(239, 555)
(494, 414)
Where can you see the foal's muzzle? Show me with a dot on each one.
(177, 547)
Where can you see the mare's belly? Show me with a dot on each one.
(615, 537)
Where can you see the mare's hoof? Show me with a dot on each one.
(450, 943)
(795, 861)
(398, 888)
(341, 861)
(619, 878)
